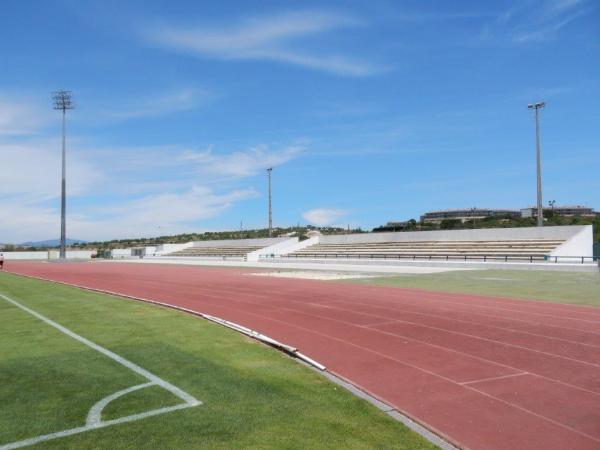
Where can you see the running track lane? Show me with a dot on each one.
(483, 372)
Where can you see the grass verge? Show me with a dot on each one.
(254, 396)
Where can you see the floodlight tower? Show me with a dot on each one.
(551, 203)
(62, 102)
(269, 171)
(540, 209)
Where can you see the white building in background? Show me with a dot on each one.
(566, 211)
(467, 214)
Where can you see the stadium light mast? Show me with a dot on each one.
(269, 171)
(538, 150)
(62, 102)
(551, 203)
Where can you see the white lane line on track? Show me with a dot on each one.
(94, 420)
(502, 377)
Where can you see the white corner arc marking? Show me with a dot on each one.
(94, 420)
(94, 417)
(108, 423)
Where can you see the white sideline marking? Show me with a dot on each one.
(94, 419)
(108, 423)
(134, 367)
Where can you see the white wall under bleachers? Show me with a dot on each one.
(291, 247)
(580, 244)
(48, 254)
(281, 247)
(80, 254)
(170, 248)
(24, 255)
(118, 253)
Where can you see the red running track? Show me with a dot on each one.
(483, 372)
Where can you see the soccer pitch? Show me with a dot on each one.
(104, 372)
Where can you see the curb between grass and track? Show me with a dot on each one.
(432, 435)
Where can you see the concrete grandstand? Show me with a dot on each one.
(564, 244)
(560, 245)
(226, 249)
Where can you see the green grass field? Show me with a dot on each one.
(580, 288)
(253, 396)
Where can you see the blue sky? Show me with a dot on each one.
(368, 111)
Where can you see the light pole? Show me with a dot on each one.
(540, 209)
(269, 170)
(551, 203)
(62, 102)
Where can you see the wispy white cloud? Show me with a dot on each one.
(176, 212)
(31, 170)
(536, 21)
(169, 186)
(241, 163)
(546, 32)
(543, 92)
(346, 110)
(324, 216)
(22, 116)
(20, 222)
(197, 203)
(269, 38)
(160, 105)
(555, 8)
(439, 16)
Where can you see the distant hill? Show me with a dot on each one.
(210, 236)
(51, 243)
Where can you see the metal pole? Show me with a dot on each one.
(63, 196)
(551, 203)
(540, 207)
(538, 150)
(269, 170)
(62, 102)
